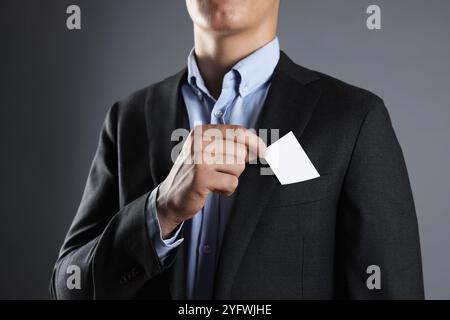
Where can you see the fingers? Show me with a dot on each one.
(222, 152)
(255, 145)
(230, 140)
(222, 183)
(233, 169)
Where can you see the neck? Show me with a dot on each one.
(217, 53)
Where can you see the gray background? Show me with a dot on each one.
(56, 86)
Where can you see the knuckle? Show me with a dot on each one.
(199, 169)
(199, 180)
(233, 183)
(197, 128)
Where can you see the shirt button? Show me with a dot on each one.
(199, 94)
(218, 114)
(206, 249)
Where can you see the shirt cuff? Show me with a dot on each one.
(164, 247)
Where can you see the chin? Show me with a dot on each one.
(223, 15)
(226, 24)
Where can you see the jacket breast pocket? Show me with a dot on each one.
(301, 192)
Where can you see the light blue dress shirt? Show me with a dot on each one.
(244, 91)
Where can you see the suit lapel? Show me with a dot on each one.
(166, 112)
(288, 107)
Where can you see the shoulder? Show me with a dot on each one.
(132, 108)
(349, 105)
(144, 96)
(349, 108)
(335, 94)
(347, 97)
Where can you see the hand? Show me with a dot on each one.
(211, 160)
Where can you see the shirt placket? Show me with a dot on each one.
(208, 244)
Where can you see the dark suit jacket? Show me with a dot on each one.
(308, 240)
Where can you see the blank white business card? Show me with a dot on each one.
(289, 161)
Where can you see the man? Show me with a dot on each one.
(151, 228)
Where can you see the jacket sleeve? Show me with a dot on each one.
(377, 224)
(108, 244)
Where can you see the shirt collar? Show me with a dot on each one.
(247, 75)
